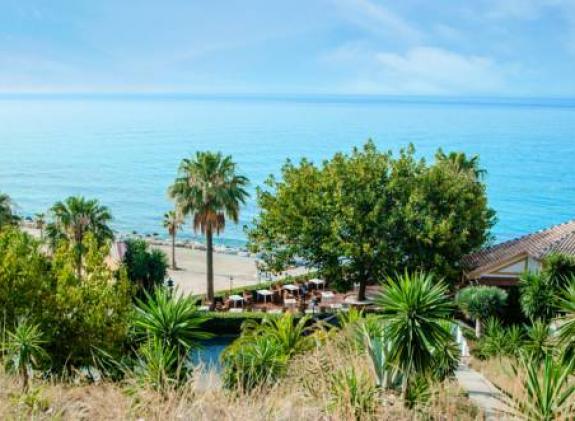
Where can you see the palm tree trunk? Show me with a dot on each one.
(361, 292)
(210, 264)
(174, 251)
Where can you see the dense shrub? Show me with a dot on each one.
(145, 268)
(89, 314)
(76, 317)
(260, 356)
(559, 268)
(26, 283)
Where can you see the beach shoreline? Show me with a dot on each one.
(233, 267)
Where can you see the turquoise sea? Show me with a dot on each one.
(125, 150)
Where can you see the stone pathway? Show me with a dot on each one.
(482, 393)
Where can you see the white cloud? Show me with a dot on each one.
(420, 70)
(378, 19)
(521, 9)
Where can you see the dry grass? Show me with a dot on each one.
(306, 393)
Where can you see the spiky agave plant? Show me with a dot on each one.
(24, 350)
(378, 349)
(549, 391)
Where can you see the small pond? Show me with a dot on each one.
(209, 354)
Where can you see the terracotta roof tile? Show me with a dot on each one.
(557, 239)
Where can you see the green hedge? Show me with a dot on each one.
(222, 323)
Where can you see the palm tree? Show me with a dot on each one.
(461, 163)
(173, 222)
(415, 310)
(73, 219)
(208, 189)
(40, 220)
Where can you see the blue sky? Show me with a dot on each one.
(413, 47)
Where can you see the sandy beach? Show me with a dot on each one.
(191, 274)
(230, 270)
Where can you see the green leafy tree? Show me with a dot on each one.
(538, 296)
(26, 281)
(89, 314)
(481, 303)
(145, 268)
(25, 351)
(415, 309)
(209, 189)
(173, 223)
(7, 216)
(361, 216)
(73, 219)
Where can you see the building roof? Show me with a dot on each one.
(557, 239)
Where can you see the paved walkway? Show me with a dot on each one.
(481, 392)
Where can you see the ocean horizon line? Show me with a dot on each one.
(479, 100)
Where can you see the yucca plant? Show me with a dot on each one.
(353, 394)
(420, 391)
(293, 336)
(415, 307)
(24, 349)
(566, 331)
(500, 341)
(537, 296)
(549, 391)
(158, 365)
(349, 318)
(253, 361)
(446, 357)
(537, 343)
(170, 318)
